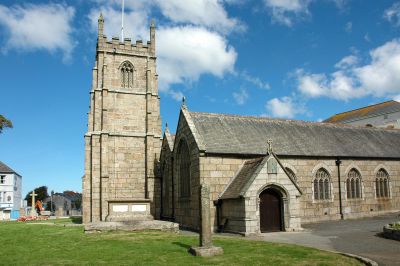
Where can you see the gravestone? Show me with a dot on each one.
(206, 248)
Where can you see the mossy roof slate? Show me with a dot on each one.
(232, 134)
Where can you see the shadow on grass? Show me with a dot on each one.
(76, 219)
(186, 246)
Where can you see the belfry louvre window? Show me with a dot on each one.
(184, 169)
(353, 185)
(291, 174)
(126, 75)
(322, 185)
(382, 184)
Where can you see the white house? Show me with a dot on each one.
(10, 191)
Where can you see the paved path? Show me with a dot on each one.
(358, 237)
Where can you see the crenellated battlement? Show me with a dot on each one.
(116, 45)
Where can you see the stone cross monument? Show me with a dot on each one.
(33, 211)
(206, 247)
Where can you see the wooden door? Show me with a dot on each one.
(270, 211)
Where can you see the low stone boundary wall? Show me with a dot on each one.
(392, 231)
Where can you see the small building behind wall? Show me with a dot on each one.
(385, 114)
(10, 191)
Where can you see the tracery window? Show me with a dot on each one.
(126, 75)
(184, 169)
(354, 185)
(291, 174)
(322, 185)
(382, 183)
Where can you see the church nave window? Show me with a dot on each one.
(382, 184)
(353, 185)
(126, 75)
(322, 185)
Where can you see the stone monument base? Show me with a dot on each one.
(206, 251)
(135, 225)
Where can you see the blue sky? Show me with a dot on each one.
(297, 59)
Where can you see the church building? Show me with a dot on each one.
(264, 174)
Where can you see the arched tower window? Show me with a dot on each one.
(126, 70)
(184, 169)
(353, 185)
(382, 183)
(322, 185)
(291, 174)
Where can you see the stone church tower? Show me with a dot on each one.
(124, 130)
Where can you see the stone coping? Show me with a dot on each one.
(132, 226)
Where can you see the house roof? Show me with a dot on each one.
(231, 134)
(6, 169)
(238, 185)
(365, 112)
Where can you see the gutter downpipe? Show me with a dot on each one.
(338, 163)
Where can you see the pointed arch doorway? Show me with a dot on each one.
(270, 211)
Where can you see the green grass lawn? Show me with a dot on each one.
(46, 244)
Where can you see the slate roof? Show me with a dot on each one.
(238, 185)
(5, 169)
(231, 134)
(365, 112)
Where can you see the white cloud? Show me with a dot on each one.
(392, 14)
(38, 27)
(256, 81)
(380, 78)
(185, 53)
(287, 11)
(210, 14)
(206, 13)
(135, 22)
(347, 62)
(282, 108)
(176, 95)
(192, 45)
(284, 11)
(397, 98)
(241, 96)
(349, 27)
(366, 37)
(311, 85)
